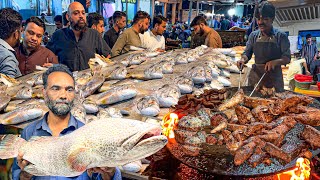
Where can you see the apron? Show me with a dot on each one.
(266, 49)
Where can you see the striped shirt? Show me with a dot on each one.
(309, 51)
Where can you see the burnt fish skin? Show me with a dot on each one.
(109, 142)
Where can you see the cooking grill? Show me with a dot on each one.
(216, 159)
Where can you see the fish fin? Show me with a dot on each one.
(10, 145)
(77, 159)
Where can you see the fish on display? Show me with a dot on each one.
(168, 95)
(37, 91)
(30, 78)
(20, 91)
(181, 59)
(90, 107)
(198, 74)
(109, 112)
(134, 59)
(82, 77)
(4, 100)
(225, 73)
(114, 95)
(94, 145)
(23, 114)
(224, 81)
(114, 72)
(107, 85)
(90, 118)
(146, 71)
(185, 84)
(95, 83)
(12, 105)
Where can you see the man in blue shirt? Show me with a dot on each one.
(59, 94)
(10, 34)
(310, 52)
(271, 48)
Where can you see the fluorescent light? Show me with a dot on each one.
(231, 11)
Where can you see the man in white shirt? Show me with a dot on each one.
(154, 40)
(295, 67)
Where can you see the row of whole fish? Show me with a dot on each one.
(136, 84)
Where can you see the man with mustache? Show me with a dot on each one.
(59, 94)
(212, 38)
(10, 34)
(130, 37)
(271, 48)
(30, 52)
(75, 45)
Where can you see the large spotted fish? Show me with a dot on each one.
(106, 142)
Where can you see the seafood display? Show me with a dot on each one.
(252, 129)
(136, 84)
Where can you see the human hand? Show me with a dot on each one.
(22, 164)
(106, 172)
(270, 66)
(240, 64)
(308, 73)
(47, 65)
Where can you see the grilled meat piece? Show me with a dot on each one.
(218, 118)
(306, 153)
(276, 152)
(312, 136)
(211, 139)
(244, 115)
(256, 128)
(220, 127)
(261, 113)
(281, 105)
(310, 117)
(191, 150)
(244, 153)
(298, 109)
(253, 102)
(193, 123)
(182, 135)
(239, 135)
(305, 99)
(293, 149)
(257, 157)
(234, 127)
(236, 99)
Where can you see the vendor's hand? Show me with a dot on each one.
(22, 164)
(240, 64)
(308, 73)
(105, 172)
(315, 58)
(269, 66)
(47, 65)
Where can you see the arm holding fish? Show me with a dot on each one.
(285, 51)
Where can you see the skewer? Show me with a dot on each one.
(257, 84)
(241, 66)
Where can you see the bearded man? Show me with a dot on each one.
(59, 94)
(130, 36)
(75, 45)
(200, 27)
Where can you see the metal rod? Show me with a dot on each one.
(241, 66)
(255, 87)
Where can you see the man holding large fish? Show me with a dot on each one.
(271, 48)
(59, 94)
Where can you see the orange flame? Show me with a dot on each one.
(300, 172)
(168, 122)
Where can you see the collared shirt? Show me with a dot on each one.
(151, 41)
(40, 56)
(295, 67)
(281, 38)
(128, 38)
(76, 54)
(41, 128)
(9, 64)
(111, 37)
(309, 52)
(213, 39)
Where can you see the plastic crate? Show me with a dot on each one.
(302, 85)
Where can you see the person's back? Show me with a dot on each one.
(225, 24)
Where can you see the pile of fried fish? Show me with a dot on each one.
(138, 84)
(254, 129)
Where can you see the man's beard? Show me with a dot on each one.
(142, 30)
(59, 109)
(201, 32)
(76, 25)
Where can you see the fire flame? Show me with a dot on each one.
(168, 122)
(300, 172)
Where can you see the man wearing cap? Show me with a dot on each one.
(271, 48)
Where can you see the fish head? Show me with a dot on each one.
(181, 59)
(133, 140)
(79, 112)
(137, 59)
(208, 73)
(39, 80)
(24, 93)
(198, 74)
(154, 72)
(185, 84)
(120, 72)
(148, 106)
(167, 67)
(113, 112)
(168, 95)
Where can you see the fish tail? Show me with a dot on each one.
(10, 145)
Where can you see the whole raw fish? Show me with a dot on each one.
(107, 142)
